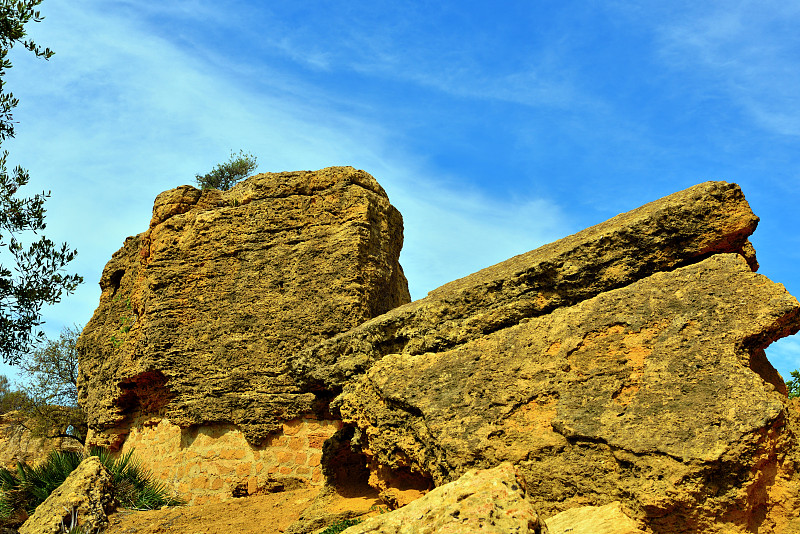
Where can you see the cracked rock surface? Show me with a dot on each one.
(683, 228)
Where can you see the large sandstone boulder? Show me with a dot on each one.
(490, 501)
(84, 497)
(624, 363)
(200, 314)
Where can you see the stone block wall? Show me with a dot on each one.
(208, 463)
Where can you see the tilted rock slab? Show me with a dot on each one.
(85, 496)
(489, 501)
(650, 388)
(200, 313)
(682, 228)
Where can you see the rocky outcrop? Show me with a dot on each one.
(645, 393)
(200, 314)
(624, 363)
(486, 501)
(620, 371)
(84, 500)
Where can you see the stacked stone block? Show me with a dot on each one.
(208, 463)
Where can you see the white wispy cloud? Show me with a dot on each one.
(122, 113)
(419, 45)
(749, 50)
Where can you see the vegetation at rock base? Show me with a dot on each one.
(36, 277)
(134, 486)
(225, 175)
(22, 490)
(339, 526)
(793, 385)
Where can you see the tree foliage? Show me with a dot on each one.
(225, 175)
(12, 31)
(36, 276)
(793, 385)
(51, 374)
(11, 400)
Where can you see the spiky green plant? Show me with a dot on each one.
(132, 485)
(28, 487)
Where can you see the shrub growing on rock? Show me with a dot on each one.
(225, 175)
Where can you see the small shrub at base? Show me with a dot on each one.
(339, 526)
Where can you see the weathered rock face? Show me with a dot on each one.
(85, 496)
(624, 363)
(199, 314)
(486, 501)
(644, 392)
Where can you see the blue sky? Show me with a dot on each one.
(495, 127)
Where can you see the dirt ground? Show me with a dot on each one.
(260, 514)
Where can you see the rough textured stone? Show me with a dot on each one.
(485, 501)
(645, 394)
(682, 228)
(199, 314)
(779, 486)
(85, 495)
(608, 519)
